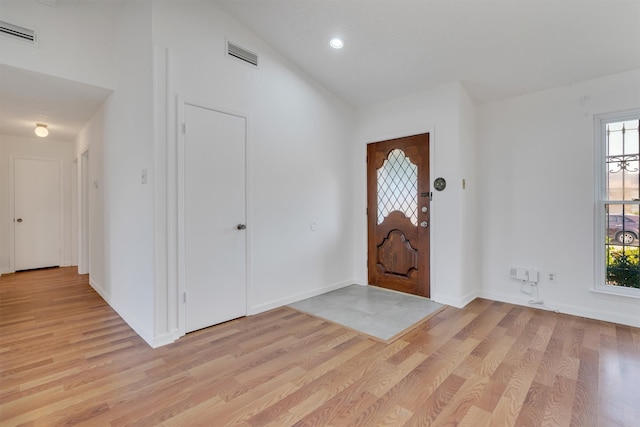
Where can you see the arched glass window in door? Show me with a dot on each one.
(398, 187)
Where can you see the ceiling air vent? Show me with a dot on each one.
(242, 54)
(17, 32)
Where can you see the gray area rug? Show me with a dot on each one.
(377, 312)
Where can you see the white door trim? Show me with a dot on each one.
(12, 213)
(73, 221)
(84, 235)
(180, 229)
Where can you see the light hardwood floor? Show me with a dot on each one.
(67, 359)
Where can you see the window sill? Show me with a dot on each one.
(635, 295)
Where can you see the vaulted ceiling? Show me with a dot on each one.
(495, 48)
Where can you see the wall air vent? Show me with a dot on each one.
(242, 54)
(17, 32)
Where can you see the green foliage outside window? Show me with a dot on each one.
(623, 267)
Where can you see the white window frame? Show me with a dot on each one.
(600, 137)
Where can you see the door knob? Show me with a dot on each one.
(241, 227)
(19, 220)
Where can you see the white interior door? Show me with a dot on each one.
(214, 206)
(37, 215)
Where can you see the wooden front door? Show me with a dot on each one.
(398, 214)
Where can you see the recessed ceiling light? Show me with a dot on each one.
(336, 43)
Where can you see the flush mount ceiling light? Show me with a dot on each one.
(336, 43)
(41, 130)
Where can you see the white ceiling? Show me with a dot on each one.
(495, 48)
(27, 98)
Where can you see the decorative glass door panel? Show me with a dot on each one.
(398, 187)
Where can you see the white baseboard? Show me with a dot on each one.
(96, 287)
(164, 339)
(566, 308)
(455, 302)
(130, 320)
(298, 297)
(7, 271)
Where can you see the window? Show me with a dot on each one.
(618, 203)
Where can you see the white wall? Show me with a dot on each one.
(470, 196)
(536, 170)
(128, 234)
(299, 155)
(447, 114)
(40, 149)
(74, 39)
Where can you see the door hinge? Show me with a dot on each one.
(184, 296)
(184, 128)
(430, 196)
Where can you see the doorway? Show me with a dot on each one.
(398, 209)
(37, 213)
(212, 200)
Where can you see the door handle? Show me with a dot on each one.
(19, 220)
(424, 224)
(241, 227)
